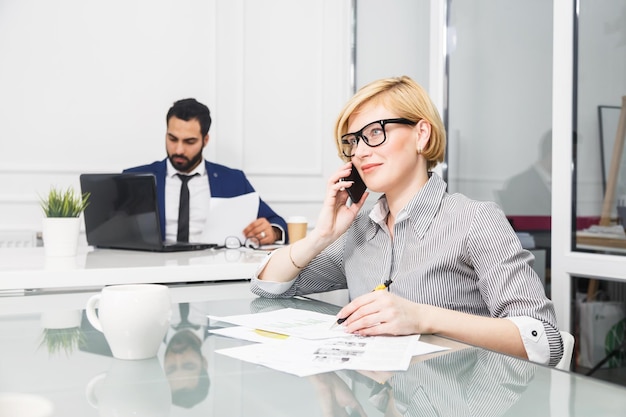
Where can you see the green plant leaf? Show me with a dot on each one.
(64, 203)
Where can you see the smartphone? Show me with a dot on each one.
(358, 188)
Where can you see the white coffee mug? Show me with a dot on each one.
(134, 318)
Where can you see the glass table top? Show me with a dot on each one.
(49, 349)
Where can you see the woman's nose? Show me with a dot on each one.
(362, 149)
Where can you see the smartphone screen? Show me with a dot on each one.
(358, 188)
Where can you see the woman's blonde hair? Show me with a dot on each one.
(409, 100)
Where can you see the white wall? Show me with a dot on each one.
(84, 87)
(392, 40)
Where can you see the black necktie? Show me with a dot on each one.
(184, 318)
(183, 208)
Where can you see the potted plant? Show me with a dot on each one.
(61, 225)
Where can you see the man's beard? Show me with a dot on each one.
(188, 164)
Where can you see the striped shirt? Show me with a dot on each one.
(448, 251)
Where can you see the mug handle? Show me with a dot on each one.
(92, 399)
(90, 311)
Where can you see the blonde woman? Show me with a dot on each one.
(449, 265)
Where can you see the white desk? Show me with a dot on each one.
(29, 268)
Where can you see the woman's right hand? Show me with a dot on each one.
(334, 219)
(335, 216)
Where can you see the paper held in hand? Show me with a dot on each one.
(229, 216)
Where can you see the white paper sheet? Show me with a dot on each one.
(423, 348)
(229, 216)
(283, 360)
(308, 357)
(251, 335)
(260, 336)
(290, 321)
(301, 342)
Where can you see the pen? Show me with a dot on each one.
(384, 286)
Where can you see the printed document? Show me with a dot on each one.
(301, 342)
(303, 357)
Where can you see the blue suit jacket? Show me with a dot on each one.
(224, 182)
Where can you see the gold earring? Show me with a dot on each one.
(419, 150)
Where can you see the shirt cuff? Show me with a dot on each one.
(534, 338)
(282, 239)
(271, 287)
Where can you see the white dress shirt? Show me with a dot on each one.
(199, 202)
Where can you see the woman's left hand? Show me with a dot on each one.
(382, 313)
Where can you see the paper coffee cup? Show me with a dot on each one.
(296, 228)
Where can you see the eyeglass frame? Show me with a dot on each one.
(359, 133)
(249, 243)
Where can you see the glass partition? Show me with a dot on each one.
(500, 111)
(599, 126)
(499, 105)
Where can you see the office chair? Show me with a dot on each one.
(568, 348)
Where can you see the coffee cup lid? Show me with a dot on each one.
(297, 219)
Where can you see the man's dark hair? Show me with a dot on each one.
(189, 397)
(188, 109)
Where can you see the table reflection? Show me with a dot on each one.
(189, 378)
(469, 381)
(61, 331)
(466, 382)
(185, 364)
(130, 388)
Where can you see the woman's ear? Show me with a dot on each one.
(422, 135)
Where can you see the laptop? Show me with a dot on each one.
(123, 213)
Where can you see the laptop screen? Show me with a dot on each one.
(122, 211)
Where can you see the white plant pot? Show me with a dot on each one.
(61, 319)
(60, 236)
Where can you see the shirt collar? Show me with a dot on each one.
(171, 171)
(420, 211)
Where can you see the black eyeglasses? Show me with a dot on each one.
(373, 135)
(233, 242)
